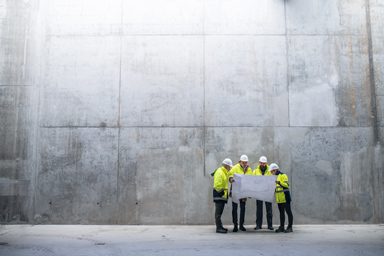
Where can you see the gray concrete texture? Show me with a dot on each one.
(116, 112)
(20, 240)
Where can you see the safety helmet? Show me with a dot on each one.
(244, 158)
(228, 161)
(263, 159)
(273, 167)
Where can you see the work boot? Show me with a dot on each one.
(221, 226)
(242, 228)
(289, 229)
(279, 230)
(257, 228)
(235, 229)
(270, 228)
(220, 230)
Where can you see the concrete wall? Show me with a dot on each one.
(116, 112)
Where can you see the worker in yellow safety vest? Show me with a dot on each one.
(263, 169)
(241, 168)
(220, 192)
(283, 198)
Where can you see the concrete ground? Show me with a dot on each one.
(189, 240)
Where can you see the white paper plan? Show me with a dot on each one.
(260, 187)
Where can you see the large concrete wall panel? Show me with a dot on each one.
(11, 61)
(332, 178)
(377, 181)
(329, 81)
(377, 21)
(86, 17)
(81, 81)
(19, 73)
(17, 122)
(245, 81)
(163, 17)
(17, 117)
(380, 110)
(329, 17)
(14, 17)
(77, 180)
(18, 49)
(161, 178)
(249, 17)
(162, 81)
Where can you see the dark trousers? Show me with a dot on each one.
(259, 213)
(287, 208)
(242, 213)
(218, 212)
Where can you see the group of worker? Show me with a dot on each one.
(220, 195)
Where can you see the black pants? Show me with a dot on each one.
(287, 208)
(234, 213)
(259, 213)
(218, 212)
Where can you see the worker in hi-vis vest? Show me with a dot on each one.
(263, 169)
(241, 168)
(283, 198)
(220, 192)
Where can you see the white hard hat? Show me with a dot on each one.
(273, 167)
(244, 158)
(228, 161)
(263, 159)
